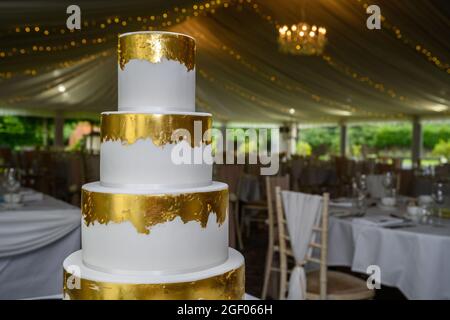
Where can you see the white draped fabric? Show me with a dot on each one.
(302, 211)
(36, 225)
(241, 74)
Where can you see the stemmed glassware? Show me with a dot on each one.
(11, 185)
(432, 214)
(360, 193)
(388, 184)
(362, 183)
(11, 180)
(438, 196)
(438, 193)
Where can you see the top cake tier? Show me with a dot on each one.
(156, 72)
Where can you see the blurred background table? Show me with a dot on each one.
(415, 259)
(34, 240)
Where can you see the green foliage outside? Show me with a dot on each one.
(304, 149)
(393, 139)
(319, 138)
(386, 139)
(356, 150)
(17, 132)
(433, 134)
(442, 149)
(20, 131)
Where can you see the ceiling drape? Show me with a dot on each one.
(397, 72)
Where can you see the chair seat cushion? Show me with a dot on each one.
(340, 286)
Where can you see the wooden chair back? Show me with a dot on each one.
(272, 182)
(320, 228)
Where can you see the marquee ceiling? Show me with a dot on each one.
(397, 72)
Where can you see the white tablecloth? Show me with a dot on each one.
(34, 241)
(416, 259)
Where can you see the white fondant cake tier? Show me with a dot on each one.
(146, 164)
(166, 85)
(223, 281)
(234, 260)
(175, 245)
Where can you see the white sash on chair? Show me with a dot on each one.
(301, 211)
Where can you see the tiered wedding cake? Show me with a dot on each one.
(152, 228)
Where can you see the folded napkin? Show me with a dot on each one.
(342, 202)
(31, 195)
(379, 221)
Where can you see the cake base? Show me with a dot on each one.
(222, 282)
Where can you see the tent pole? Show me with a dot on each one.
(293, 134)
(343, 139)
(59, 129)
(45, 133)
(417, 142)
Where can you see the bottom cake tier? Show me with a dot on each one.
(222, 282)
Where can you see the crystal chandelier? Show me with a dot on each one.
(302, 39)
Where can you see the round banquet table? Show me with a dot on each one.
(414, 259)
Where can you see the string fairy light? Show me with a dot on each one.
(292, 86)
(55, 48)
(244, 94)
(344, 68)
(49, 67)
(418, 47)
(297, 87)
(378, 86)
(204, 105)
(180, 13)
(166, 19)
(122, 24)
(59, 65)
(183, 14)
(152, 23)
(170, 18)
(58, 83)
(269, 104)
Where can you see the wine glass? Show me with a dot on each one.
(438, 193)
(11, 181)
(438, 196)
(360, 189)
(362, 183)
(354, 188)
(388, 182)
